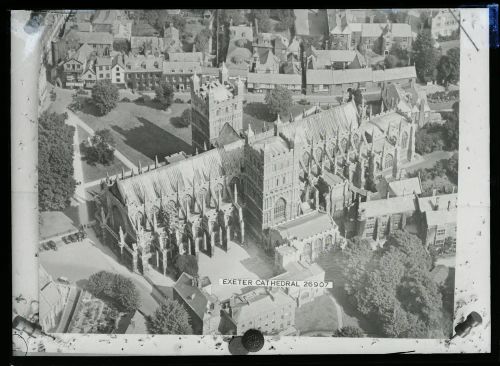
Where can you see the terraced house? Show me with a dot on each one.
(143, 72)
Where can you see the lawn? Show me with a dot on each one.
(97, 171)
(142, 131)
(317, 315)
(57, 222)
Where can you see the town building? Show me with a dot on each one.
(52, 300)
(143, 72)
(260, 83)
(103, 68)
(89, 76)
(118, 71)
(171, 40)
(240, 53)
(76, 64)
(179, 74)
(204, 310)
(185, 57)
(379, 218)
(337, 82)
(380, 37)
(101, 42)
(439, 218)
(147, 45)
(144, 30)
(335, 59)
(444, 22)
(303, 238)
(107, 20)
(214, 104)
(269, 310)
(397, 187)
(300, 271)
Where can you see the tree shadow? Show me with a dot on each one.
(152, 140)
(149, 102)
(258, 110)
(89, 108)
(82, 283)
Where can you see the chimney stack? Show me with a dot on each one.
(449, 202)
(437, 204)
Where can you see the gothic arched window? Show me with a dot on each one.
(305, 158)
(388, 161)
(279, 211)
(404, 140)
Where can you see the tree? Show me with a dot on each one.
(279, 101)
(286, 18)
(121, 291)
(425, 55)
(263, 20)
(102, 148)
(349, 331)
(202, 40)
(164, 94)
(398, 16)
(231, 14)
(169, 318)
(56, 184)
(450, 131)
(105, 96)
(402, 55)
(186, 263)
(448, 67)
(391, 61)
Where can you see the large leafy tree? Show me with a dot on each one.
(425, 55)
(102, 148)
(56, 184)
(116, 288)
(279, 101)
(164, 94)
(202, 39)
(105, 96)
(391, 286)
(448, 67)
(169, 318)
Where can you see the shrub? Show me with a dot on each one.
(178, 100)
(164, 94)
(186, 263)
(184, 119)
(304, 102)
(125, 100)
(114, 287)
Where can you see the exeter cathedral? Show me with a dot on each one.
(241, 183)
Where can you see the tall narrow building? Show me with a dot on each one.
(213, 104)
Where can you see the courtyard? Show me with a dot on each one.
(239, 261)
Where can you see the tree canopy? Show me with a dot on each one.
(202, 39)
(115, 288)
(102, 148)
(105, 96)
(391, 285)
(448, 67)
(56, 184)
(169, 318)
(164, 94)
(279, 101)
(425, 55)
(349, 331)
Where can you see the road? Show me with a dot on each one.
(78, 261)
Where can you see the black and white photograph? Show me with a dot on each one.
(215, 171)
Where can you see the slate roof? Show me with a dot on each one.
(405, 186)
(103, 38)
(173, 67)
(185, 56)
(144, 30)
(296, 271)
(260, 78)
(428, 203)
(192, 295)
(227, 135)
(347, 76)
(136, 62)
(441, 217)
(306, 226)
(387, 206)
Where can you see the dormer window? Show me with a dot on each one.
(129, 67)
(156, 64)
(143, 65)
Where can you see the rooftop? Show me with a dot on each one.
(429, 203)
(104, 38)
(194, 296)
(405, 187)
(274, 145)
(387, 206)
(259, 78)
(306, 226)
(185, 57)
(441, 217)
(181, 67)
(297, 271)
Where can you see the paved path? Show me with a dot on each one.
(340, 322)
(75, 120)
